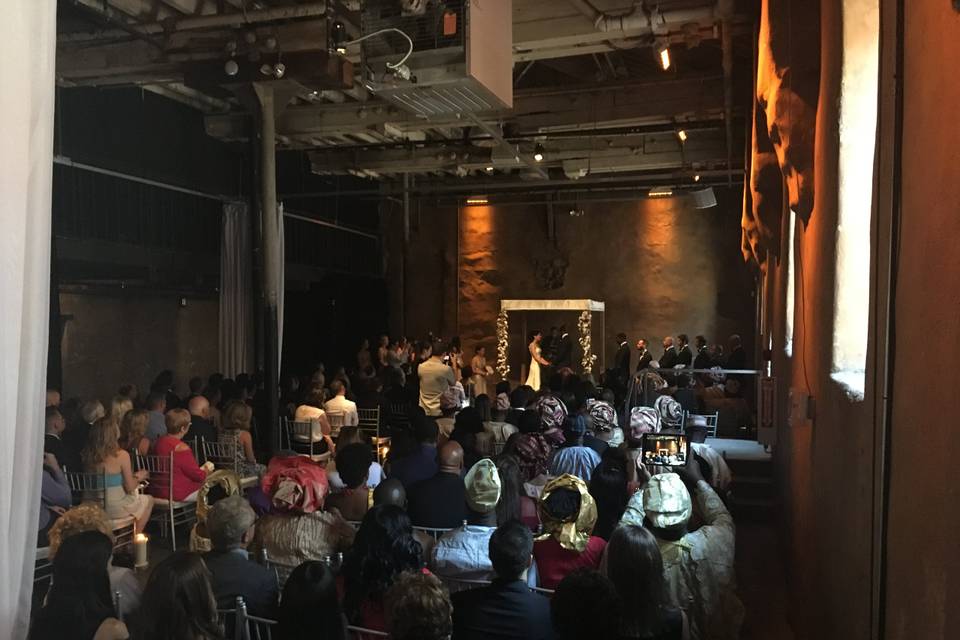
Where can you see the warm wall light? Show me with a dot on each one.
(489, 169)
(696, 178)
(538, 153)
(682, 134)
(664, 52)
(477, 200)
(660, 192)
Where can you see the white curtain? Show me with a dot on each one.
(28, 47)
(281, 284)
(236, 301)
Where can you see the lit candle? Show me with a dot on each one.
(140, 550)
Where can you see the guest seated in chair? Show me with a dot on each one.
(230, 524)
(187, 474)
(133, 432)
(104, 455)
(585, 606)
(311, 410)
(440, 502)
(311, 589)
(236, 428)
(178, 602)
(353, 467)
(418, 608)
(339, 405)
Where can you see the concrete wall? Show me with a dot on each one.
(660, 266)
(923, 557)
(113, 339)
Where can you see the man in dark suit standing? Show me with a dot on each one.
(55, 425)
(703, 360)
(738, 357)
(669, 358)
(645, 357)
(684, 355)
(563, 351)
(506, 608)
(621, 360)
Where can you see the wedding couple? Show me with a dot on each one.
(562, 350)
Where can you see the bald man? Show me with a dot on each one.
(440, 502)
(390, 491)
(669, 359)
(200, 424)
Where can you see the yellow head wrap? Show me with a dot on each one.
(572, 535)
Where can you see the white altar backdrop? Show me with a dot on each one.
(28, 47)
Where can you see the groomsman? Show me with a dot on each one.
(684, 355)
(563, 351)
(644, 355)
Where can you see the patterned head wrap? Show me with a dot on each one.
(603, 415)
(671, 412)
(552, 413)
(643, 420)
(572, 535)
(666, 501)
(533, 452)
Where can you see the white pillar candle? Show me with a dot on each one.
(140, 551)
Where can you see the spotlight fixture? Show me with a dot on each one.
(231, 68)
(489, 169)
(338, 37)
(576, 212)
(477, 200)
(538, 153)
(663, 52)
(660, 192)
(696, 177)
(682, 134)
(279, 69)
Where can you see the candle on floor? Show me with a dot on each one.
(140, 551)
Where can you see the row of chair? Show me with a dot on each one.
(240, 625)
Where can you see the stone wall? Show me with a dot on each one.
(660, 266)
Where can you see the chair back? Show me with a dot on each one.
(400, 414)
(712, 420)
(281, 570)
(239, 625)
(433, 532)
(87, 487)
(224, 454)
(300, 439)
(160, 469)
(43, 567)
(336, 423)
(368, 423)
(196, 446)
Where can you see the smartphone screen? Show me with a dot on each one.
(665, 450)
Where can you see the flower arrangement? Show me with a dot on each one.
(585, 325)
(503, 333)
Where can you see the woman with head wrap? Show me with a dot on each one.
(603, 422)
(219, 484)
(530, 447)
(671, 412)
(553, 414)
(300, 530)
(568, 514)
(642, 420)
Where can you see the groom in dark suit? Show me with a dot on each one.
(563, 350)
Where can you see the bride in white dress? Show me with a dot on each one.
(533, 378)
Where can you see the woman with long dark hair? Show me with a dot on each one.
(310, 609)
(178, 602)
(635, 567)
(514, 504)
(608, 486)
(383, 549)
(79, 605)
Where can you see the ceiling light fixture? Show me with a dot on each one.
(682, 134)
(489, 169)
(538, 153)
(696, 177)
(231, 68)
(660, 192)
(338, 37)
(663, 52)
(475, 200)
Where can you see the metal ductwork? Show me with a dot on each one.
(642, 17)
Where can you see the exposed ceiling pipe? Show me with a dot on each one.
(724, 10)
(641, 17)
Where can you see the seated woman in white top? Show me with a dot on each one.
(312, 411)
(350, 435)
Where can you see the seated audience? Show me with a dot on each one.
(421, 462)
(635, 568)
(698, 565)
(608, 486)
(503, 397)
(574, 458)
(568, 514)
(553, 414)
(104, 455)
(506, 609)
(440, 502)
(530, 447)
(300, 529)
(55, 497)
(642, 420)
(390, 491)
(586, 606)
(463, 552)
(75, 437)
(311, 410)
(90, 517)
(54, 425)
(418, 608)
(514, 503)
(157, 406)
(80, 603)
(53, 398)
(494, 432)
(230, 525)
(603, 427)
(133, 432)
(119, 406)
(353, 466)
(383, 549)
(338, 405)
(310, 608)
(187, 475)
(348, 436)
(468, 432)
(236, 428)
(218, 485)
(521, 399)
(201, 427)
(178, 602)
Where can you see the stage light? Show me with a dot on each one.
(231, 68)
(660, 192)
(338, 36)
(538, 153)
(489, 169)
(696, 178)
(664, 52)
(682, 134)
(477, 200)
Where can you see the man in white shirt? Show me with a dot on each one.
(435, 378)
(339, 405)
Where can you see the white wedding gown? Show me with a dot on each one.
(533, 378)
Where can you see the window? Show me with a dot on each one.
(791, 284)
(858, 122)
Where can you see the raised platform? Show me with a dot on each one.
(735, 449)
